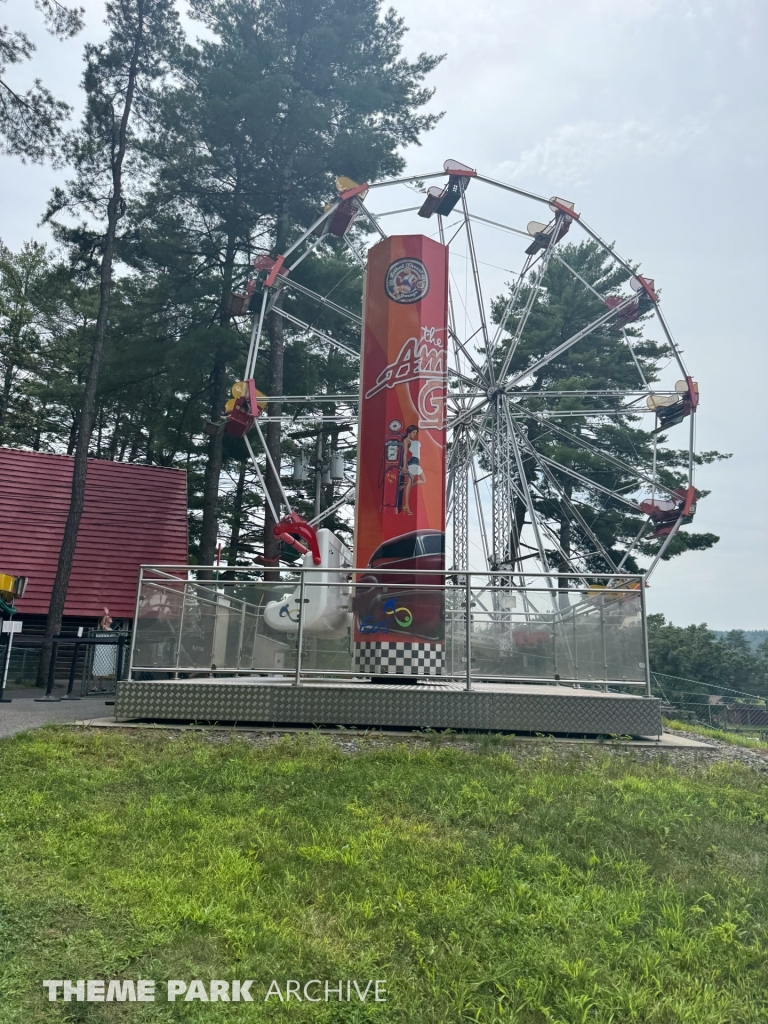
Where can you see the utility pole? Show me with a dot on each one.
(318, 473)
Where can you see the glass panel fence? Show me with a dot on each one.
(194, 627)
(556, 633)
(550, 629)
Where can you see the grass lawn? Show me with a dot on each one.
(738, 739)
(481, 886)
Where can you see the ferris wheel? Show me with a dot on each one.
(570, 411)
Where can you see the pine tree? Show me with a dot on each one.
(284, 97)
(31, 122)
(119, 79)
(22, 278)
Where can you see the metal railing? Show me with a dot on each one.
(712, 704)
(194, 622)
(70, 649)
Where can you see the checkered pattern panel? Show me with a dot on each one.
(399, 659)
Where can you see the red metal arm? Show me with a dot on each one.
(295, 523)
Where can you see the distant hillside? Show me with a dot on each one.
(754, 636)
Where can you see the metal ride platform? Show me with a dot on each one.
(502, 707)
(558, 655)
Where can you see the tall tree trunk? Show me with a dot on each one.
(209, 531)
(135, 445)
(5, 401)
(237, 517)
(88, 409)
(112, 447)
(276, 362)
(100, 432)
(564, 564)
(72, 435)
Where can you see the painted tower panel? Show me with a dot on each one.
(399, 621)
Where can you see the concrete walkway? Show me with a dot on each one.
(25, 713)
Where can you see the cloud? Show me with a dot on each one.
(577, 151)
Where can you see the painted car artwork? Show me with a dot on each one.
(389, 606)
(401, 468)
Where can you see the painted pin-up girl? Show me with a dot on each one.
(414, 474)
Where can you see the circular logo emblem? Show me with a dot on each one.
(407, 280)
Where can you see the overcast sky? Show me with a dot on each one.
(652, 118)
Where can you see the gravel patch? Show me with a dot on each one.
(751, 757)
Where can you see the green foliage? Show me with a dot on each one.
(47, 312)
(31, 122)
(230, 157)
(481, 887)
(243, 153)
(121, 79)
(697, 653)
(22, 281)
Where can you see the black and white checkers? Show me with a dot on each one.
(379, 658)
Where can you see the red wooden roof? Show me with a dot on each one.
(133, 515)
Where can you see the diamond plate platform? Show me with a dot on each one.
(494, 706)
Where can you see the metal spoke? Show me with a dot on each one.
(671, 340)
(475, 366)
(283, 282)
(625, 467)
(480, 516)
(308, 250)
(578, 277)
(332, 508)
(324, 216)
(535, 288)
(354, 252)
(539, 364)
(527, 495)
(571, 505)
(257, 470)
(504, 227)
(512, 188)
(637, 364)
(364, 209)
(660, 554)
(253, 348)
(309, 329)
(476, 278)
(591, 483)
(510, 305)
(274, 469)
(638, 537)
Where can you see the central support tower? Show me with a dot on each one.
(400, 521)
